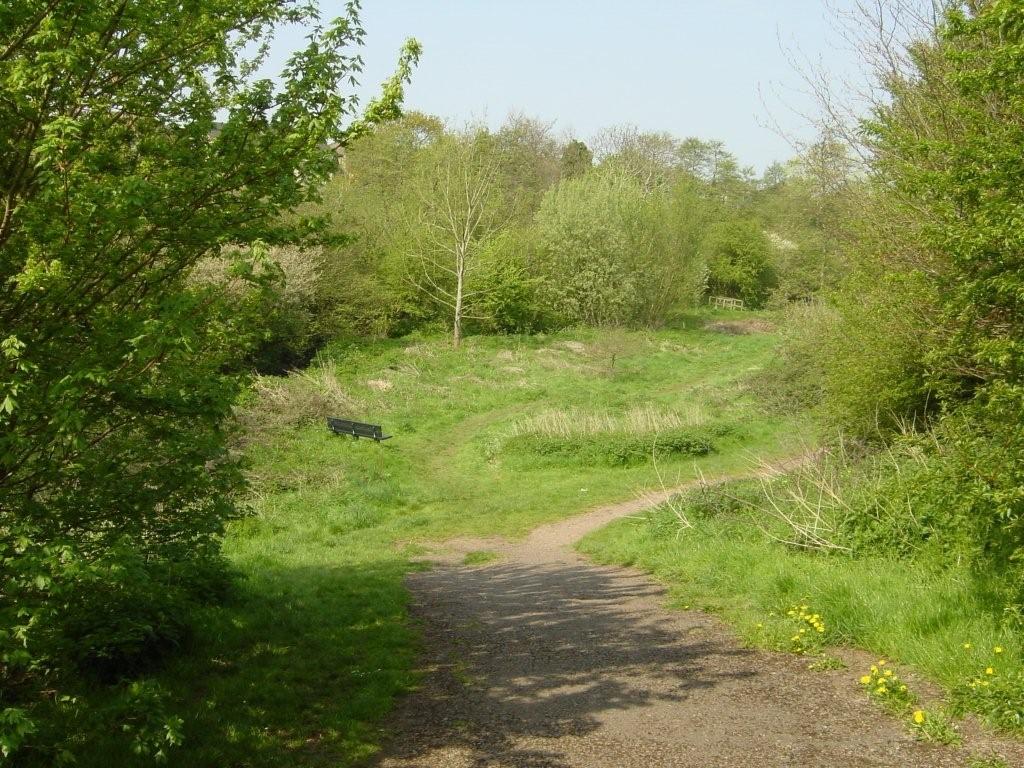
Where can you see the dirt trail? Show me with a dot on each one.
(544, 660)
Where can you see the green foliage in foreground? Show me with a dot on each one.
(723, 549)
(926, 333)
(135, 142)
(299, 667)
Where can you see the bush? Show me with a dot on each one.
(72, 620)
(118, 369)
(513, 300)
(611, 252)
(738, 259)
(613, 449)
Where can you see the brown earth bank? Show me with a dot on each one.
(544, 660)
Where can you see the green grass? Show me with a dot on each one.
(479, 557)
(907, 611)
(304, 662)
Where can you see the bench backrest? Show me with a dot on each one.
(726, 302)
(357, 428)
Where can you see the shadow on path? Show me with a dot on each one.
(563, 665)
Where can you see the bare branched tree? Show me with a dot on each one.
(886, 37)
(462, 210)
(647, 157)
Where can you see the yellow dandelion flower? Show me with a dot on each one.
(919, 716)
(865, 680)
(989, 671)
(881, 662)
(998, 649)
(967, 646)
(821, 629)
(888, 673)
(874, 668)
(880, 690)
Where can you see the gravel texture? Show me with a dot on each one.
(543, 660)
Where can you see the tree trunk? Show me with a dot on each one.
(460, 271)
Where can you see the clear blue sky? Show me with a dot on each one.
(689, 67)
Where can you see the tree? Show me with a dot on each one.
(576, 160)
(463, 210)
(925, 333)
(365, 290)
(528, 162)
(650, 158)
(134, 143)
(738, 262)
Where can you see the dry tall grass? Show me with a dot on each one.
(575, 422)
(302, 397)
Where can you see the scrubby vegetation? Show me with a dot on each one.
(197, 266)
(482, 231)
(315, 642)
(913, 365)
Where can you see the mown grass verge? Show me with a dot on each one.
(303, 662)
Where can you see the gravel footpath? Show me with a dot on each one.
(543, 660)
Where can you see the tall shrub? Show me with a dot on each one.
(133, 143)
(608, 250)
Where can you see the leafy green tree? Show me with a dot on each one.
(650, 158)
(926, 332)
(611, 253)
(584, 249)
(528, 163)
(738, 258)
(370, 203)
(576, 160)
(135, 142)
(807, 208)
(948, 151)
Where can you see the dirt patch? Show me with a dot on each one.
(544, 660)
(740, 327)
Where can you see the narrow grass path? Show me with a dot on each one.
(541, 659)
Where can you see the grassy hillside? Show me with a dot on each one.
(491, 439)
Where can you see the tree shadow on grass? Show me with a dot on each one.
(297, 670)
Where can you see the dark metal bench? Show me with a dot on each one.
(356, 428)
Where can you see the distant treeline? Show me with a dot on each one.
(515, 231)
